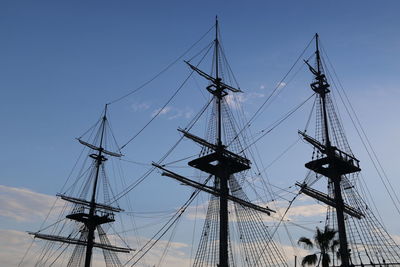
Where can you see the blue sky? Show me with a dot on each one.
(62, 61)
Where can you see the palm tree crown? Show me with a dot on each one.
(325, 242)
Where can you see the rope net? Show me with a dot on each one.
(64, 243)
(250, 241)
(368, 241)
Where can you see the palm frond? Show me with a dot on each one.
(306, 242)
(335, 244)
(323, 239)
(329, 233)
(309, 260)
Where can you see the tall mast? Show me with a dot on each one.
(317, 53)
(223, 175)
(321, 80)
(218, 85)
(335, 177)
(219, 162)
(90, 213)
(91, 225)
(371, 244)
(216, 48)
(333, 166)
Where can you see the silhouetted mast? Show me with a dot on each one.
(335, 163)
(91, 223)
(322, 84)
(221, 163)
(90, 213)
(224, 176)
(335, 177)
(218, 85)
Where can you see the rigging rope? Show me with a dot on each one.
(278, 86)
(165, 105)
(278, 122)
(171, 223)
(143, 177)
(162, 71)
(281, 155)
(365, 141)
(33, 239)
(158, 112)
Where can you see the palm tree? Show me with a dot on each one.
(325, 241)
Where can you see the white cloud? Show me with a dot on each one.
(24, 205)
(290, 251)
(305, 206)
(13, 246)
(160, 111)
(234, 101)
(176, 255)
(12, 251)
(306, 210)
(140, 106)
(280, 85)
(294, 213)
(181, 113)
(396, 239)
(255, 95)
(174, 113)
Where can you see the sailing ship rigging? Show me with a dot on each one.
(235, 231)
(90, 216)
(219, 162)
(363, 239)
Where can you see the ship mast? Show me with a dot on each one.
(334, 165)
(91, 223)
(91, 214)
(220, 163)
(334, 177)
(224, 176)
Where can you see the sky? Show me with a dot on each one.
(61, 61)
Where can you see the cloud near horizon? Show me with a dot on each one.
(303, 210)
(24, 205)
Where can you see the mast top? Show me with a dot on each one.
(216, 50)
(102, 131)
(317, 54)
(105, 111)
(321, 85)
